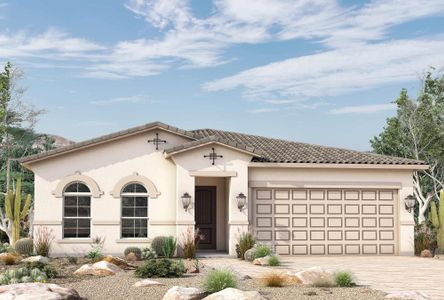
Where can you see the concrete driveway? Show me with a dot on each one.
(385, 273)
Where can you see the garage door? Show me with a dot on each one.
(326, 221)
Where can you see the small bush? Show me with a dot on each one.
(246, 241)
(344, 279)
(274, 261)
(169, 246)
(72, 260)
(190, 242)
(8, 259)
(24, 246)
(157, 245)
(274, 279)
(163, 267)
(49, 270)
(218, 280)
(94, 255)
(148, 253)
(5, 248)
(43, 240)
(136, 250)
(323, 281)
(262, 251)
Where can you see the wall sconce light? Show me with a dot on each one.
(409, 203)
(186, 201)
(241, 201)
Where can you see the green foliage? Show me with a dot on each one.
(33, 272)
(437, 218)
(49, 270)
(72, 260)
(148, 253)
(169, 246)
(42, 241)
(24, 247)
(157, 245)
(344, 279)
(246, 241)
(262, 251)
(16, 209)
(274, 261)
(218, 280)
(162, 267)
(5, 248)
(136, 250)
(94, 255)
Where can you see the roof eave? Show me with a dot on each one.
(181, 149)
(338, 166)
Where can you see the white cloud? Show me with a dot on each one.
(362, 109)
(119, 100)
(262, 110)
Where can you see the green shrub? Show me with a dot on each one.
(33, 272)
(218, 280)
(136, 250)
(157, 245)
(24, 247)
(262, 251)
(246, 241)
(148, 253)
(344, 279)
(274, 261)
(49, 270)
(5, 248)
(94, 255)
(72, 260)
(169, 246)
(163, 267)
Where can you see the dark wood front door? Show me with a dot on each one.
(205, 210)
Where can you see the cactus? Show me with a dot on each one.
(14, 210)
(137, 252)
(157, 245)
(438, 221)
(26, 279)
(24, 246)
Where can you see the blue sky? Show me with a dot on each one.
(318, 71)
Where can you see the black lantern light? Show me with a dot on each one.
(186, 201)
(409, 203)
(241, 201)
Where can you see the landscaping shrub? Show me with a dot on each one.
(262, 251)
(344, 279)
(157, 245)
(190, 242)
(246, 241)
(274, 261)
(163, 267)
(24, 246)
(31, 273)
(49, 270)
(42, 241)
(96, 254)
(5, 248)
(72, 260)
(323, 281)
(218, 280)
(169, 246)
(136, 250)
(274, 279)
(8, 259)
(425, 238)
(148, 253)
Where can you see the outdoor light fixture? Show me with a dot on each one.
(409, 202)
(241, 201)
(186, 201)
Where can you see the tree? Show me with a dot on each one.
(417, 132)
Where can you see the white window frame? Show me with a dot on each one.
(122, 195)
(76, 194)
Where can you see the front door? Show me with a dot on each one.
(205, 210)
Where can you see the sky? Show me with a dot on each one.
(317, 71)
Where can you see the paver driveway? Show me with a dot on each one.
(385, 273)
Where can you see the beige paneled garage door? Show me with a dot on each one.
(327, 221)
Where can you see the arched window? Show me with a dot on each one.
(76, 211)
(134, 211)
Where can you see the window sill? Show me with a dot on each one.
(135, 240)
(75, 241)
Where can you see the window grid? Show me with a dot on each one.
(134, 212)
(77, 211)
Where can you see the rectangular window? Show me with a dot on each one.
(77, 217)
(134, 217)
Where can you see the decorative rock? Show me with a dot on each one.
(192, 270)
(426, 253)
(37, 291)
(245, 277)
(38, 258)
(146, 282)
(101, 268)
(184, 293)
(407, 295)
(131, 257)
(249, 254)
(262, 261)
(235, 294)
(118, 262)
(309, 276)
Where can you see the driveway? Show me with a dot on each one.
(385, 273)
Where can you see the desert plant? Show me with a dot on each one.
(157, 245)
(238, 252)
(8, 259)
(274, 261)
(246, 241)
(135, 250)
(148, 253)
(163, 267)
(42, 240)
(218, 280)
(274, 279)
(425, 237)
(437, 218)
(48, 270)
(262, 251)
(24, 247)
(344, 279)
(323, 281)
(169, 246)
(96, 254)
(72, 260)
(190, 242)
(5, 248)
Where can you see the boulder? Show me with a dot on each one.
(192, 270)
(184, 293)
(101, 268)
(38, 258)
(426, 253)
(37, 291)
(261, 261)
(309, 276)
(407, 295)
(235, 294)
(146, 282)
(118, 262)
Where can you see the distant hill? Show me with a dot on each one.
(59, 141)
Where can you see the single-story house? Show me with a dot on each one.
(155, 179)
